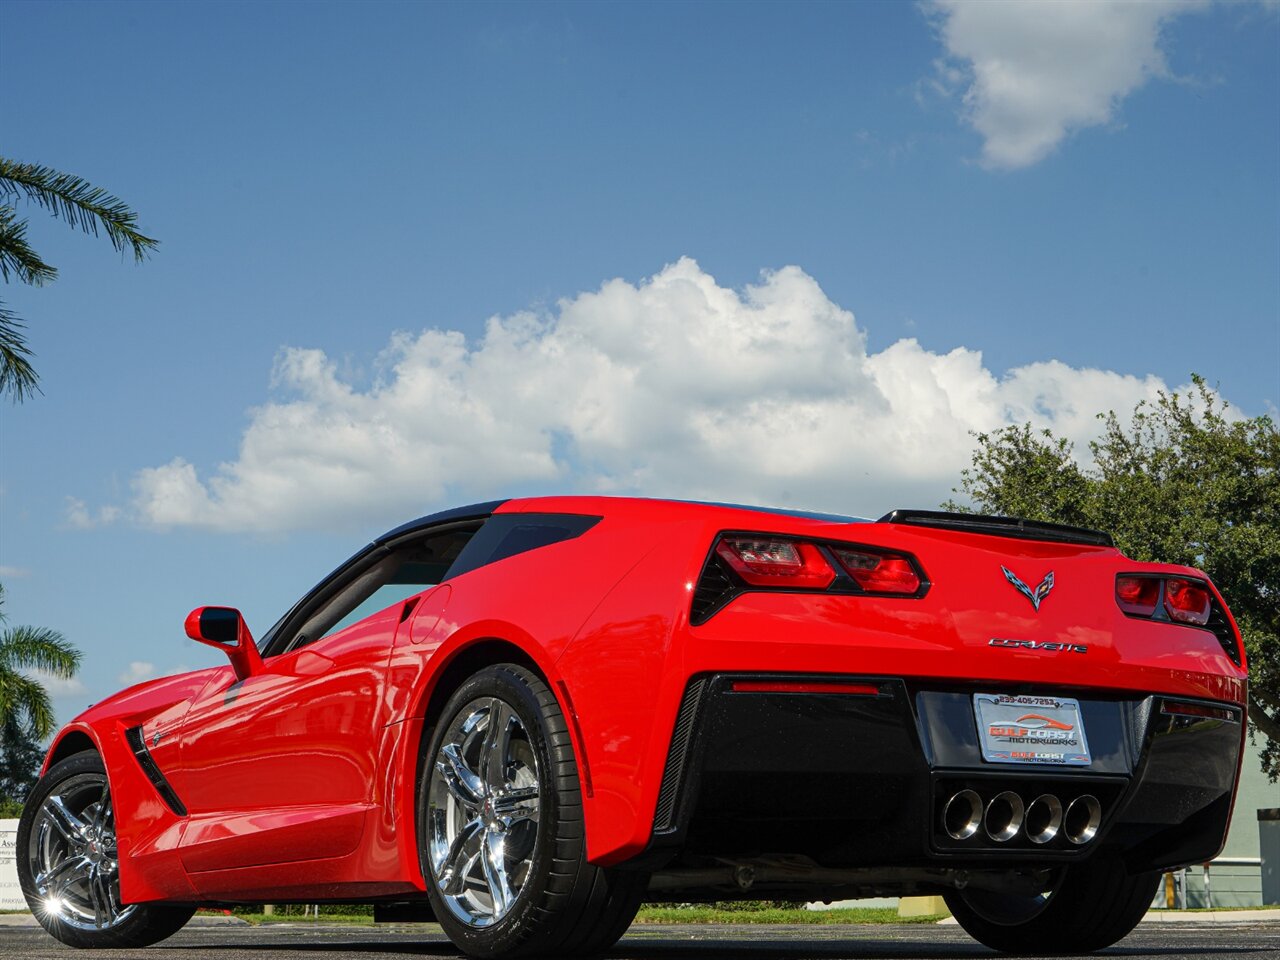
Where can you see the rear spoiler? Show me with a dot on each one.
(999, 526)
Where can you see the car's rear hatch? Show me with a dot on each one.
(1005, 599)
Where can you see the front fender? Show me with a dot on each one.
(147, 830)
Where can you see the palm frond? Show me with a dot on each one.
(38, 648)
(22, 698)
(76, 201)
(17, 377)
(16, 255)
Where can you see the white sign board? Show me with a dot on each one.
(10, 892)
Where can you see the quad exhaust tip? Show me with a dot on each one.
(962, 815)
(1044, 818)
(1081, 821)
(1005, 816)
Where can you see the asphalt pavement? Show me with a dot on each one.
(302, 941)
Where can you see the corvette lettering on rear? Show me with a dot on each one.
(1048, 646)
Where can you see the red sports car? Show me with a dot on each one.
(523, 718)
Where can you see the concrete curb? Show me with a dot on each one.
(1197, 916)
(1212, 916)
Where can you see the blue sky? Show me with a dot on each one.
(418, 254)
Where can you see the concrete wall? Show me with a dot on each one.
(1231, 886)
(1242, 886)
(1256, 793)
(10, 894)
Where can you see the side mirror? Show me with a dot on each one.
(224, 628)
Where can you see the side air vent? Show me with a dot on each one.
(1221, 628)
(138, 744)
(678, 756)
(716, 587)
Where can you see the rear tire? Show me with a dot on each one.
(1093, 905)
(68, 866)
(500, 782)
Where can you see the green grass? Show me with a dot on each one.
(664, 914)
(653, 914)
(798, 915)
(257, 918)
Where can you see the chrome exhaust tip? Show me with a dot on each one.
(1084, 814)
(1044, 818)
(1003, 818)
(962, 815)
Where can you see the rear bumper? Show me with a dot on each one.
(861, 780)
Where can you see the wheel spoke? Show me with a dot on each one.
(56, 878)
(111, 885)
(464, 785)
(100, 810)
(493, 762)
(460, 858)
(95, 896)
(494, 859)
(72, 828)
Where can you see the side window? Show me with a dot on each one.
(508, 534)
(404, 570)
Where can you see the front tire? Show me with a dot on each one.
(1091, 906)
(501, 832)
(68, 864)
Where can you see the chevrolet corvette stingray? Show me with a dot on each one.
(524, 718)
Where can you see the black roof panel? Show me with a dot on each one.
(473, 511)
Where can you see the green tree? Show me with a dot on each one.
(65, 197)
(23, 699)
(1180, 482)
(20, 757)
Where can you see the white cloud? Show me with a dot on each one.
(1038, 70)
(59, 686)
(136, 672)
(14, 572)
(675, 386)
(79, 516)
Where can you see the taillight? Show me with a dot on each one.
(1179, 599)
(879, 572)
(1186, 601)
(776, 563)
(742, 562)
(1138, 595)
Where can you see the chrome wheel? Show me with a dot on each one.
(72, 856)
(482, 811)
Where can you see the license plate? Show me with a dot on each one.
(1031, 730)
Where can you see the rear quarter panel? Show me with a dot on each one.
(629, 663)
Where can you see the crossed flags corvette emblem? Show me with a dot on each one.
(1035, 596)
